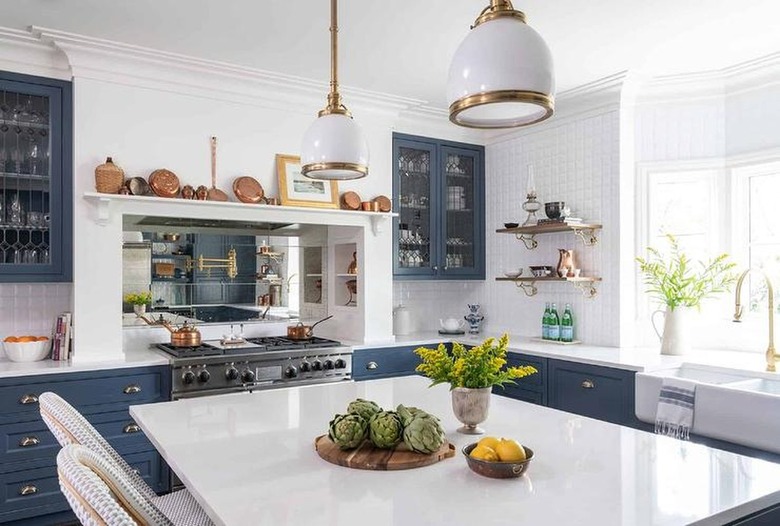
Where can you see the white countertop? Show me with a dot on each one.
(250, 459)
(130, 358)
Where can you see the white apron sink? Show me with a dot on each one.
(737, 406)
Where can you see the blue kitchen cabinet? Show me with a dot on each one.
(532, 388)
(36, 179)
(439, 194)
(28, 451)
(604, 393)
(386, 362)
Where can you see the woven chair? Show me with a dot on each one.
(70, 427)
(100, 494)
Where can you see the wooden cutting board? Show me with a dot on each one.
(369, 457)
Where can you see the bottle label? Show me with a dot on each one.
(554, 332)
(567, 333)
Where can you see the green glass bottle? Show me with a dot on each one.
(546, 322)
(567, 325)
(554, 332)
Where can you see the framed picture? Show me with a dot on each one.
(297, 190)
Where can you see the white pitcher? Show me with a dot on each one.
(677, 330)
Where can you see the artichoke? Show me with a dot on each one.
(408, 413)
(364, 408)
(385, 429)
(348, 431)
(424, 434)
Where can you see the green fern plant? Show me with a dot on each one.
(678, 281)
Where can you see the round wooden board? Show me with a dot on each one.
(369, 457)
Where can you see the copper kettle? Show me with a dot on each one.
(185, 336)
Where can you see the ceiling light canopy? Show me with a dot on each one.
(502, 74)
(334, 146)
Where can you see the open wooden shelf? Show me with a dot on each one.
(586, 284)
(585, 231)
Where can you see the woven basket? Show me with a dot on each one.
(109, 177)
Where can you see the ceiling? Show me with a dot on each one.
(403, 47)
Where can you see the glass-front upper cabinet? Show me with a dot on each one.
(439, 194)
(35, 179)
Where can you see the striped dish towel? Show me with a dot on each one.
(674, 416)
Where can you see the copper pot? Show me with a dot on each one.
(299, 331)
(184, 336)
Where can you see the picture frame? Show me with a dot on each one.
(297, 190)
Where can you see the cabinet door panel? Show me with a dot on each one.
(533, 397)
(384, 363)
(535, 382)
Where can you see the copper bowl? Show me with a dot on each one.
(497, 469)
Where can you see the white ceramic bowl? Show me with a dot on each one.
(27, 351)
(513, 273)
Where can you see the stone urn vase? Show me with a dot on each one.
(471, 408)
(139, 309)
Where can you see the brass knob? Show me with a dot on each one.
(132, 389)
(29, 489)
(29, 441)
(131, 428)
(371, 366)
(588, 384)
(29, 399)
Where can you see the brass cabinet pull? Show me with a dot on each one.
(29, 441)
(29, 489)
(132, 389)
(371, 366)
(131, 428)
(29, 399)
(588, 384)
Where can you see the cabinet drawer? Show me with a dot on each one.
(599, 392)
(535, 382)
(36, 491)
(525, 395)
(27, 441)
(384, 363)
(85, 391)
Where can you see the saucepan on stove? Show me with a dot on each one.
(184, 336)
(299, 331)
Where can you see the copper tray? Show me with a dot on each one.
(350, 201)
(248, 190)
(385, 205)
(164, 183)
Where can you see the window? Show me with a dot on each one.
(763, 239)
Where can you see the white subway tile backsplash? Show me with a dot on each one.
(577, 162)
(32, 308)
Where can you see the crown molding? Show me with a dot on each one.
(21, 52)
(116, 62)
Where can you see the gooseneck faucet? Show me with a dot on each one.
(771, 355)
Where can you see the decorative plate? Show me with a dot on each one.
(248, 190)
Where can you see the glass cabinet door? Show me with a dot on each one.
(415, 200)
(32, 192)
(462, 215)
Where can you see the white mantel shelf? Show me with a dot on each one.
(108, 204)
(249, 459)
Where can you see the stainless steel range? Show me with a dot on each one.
(217, 367)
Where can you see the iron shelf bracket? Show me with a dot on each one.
(528, 240)
(528, 287)
(587, 235)
(588, 288)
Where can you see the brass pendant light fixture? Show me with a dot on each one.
(502, 74)
(334, 147)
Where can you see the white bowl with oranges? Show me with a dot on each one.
(27, 348)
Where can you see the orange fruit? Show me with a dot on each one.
(25, 339)
(482, 452)
(509, 450)
(43, 338)
(11, 339)
(490, 442)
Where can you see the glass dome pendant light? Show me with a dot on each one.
(334, 147)
(502, 73)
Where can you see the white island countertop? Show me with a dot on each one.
(250, 459)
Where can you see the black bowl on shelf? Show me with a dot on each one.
(554, 209)
(511, 225)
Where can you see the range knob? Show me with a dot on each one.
(247, 376)
(204, 376)
(328, 365)
(188, 377)
(231, 373)
(341, 364)
(291, 372)
(317, 365)
(305, 367)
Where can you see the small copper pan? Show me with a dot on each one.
(164, 183)
(248, 190)
(215, 194)
(299, 331)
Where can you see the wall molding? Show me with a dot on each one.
(21, 52)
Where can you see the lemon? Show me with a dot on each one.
(490, 442)
(484, 453)
(509, 450)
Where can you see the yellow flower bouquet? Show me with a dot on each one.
(479, 367)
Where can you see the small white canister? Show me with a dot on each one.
(402, 321)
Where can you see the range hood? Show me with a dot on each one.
(209, 225)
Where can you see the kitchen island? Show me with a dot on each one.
(250, 459)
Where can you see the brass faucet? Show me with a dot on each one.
(771, 355)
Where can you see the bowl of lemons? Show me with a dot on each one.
(498, 458)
